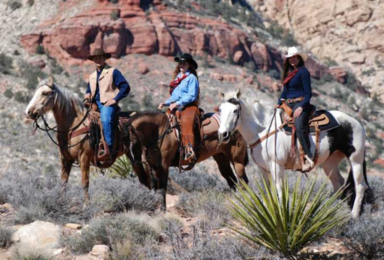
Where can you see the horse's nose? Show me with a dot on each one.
(225, 134)
(29, 112)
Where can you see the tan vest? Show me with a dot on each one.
(107, 87)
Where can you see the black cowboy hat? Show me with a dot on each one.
(186, 57)
(99, 52)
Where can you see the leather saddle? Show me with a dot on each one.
(103, 157)
(207, 127)
(322, 119)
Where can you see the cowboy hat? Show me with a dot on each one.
(186, 57)
(99, 52)
(292, 51)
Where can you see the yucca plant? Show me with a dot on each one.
(121, 168)
(287, 224)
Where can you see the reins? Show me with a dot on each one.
(47, 129)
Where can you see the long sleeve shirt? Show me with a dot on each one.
(298, 86)
(120, 82)
(186, 92)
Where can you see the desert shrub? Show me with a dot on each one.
(31, 2)
(18, 255)
(39, 197)
(198, 181)
(40, 49)
(122, 168)
(209, 205)
(116, 195)
(206, 245)
(365, 236)
(274, 74)
(289, 223)
(55, 67)
(21, 97)
(113, 231)
(115, 14)
(5, 64)
(14, 5)
(8, 93)
(31, 74)
(5, 236)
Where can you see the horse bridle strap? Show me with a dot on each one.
(259, 141)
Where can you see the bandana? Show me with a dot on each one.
(290, 75)
(174, 83)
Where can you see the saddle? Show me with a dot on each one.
(103, 158)
(205, 127)
(319, 121)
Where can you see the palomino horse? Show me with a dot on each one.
(152, 134)
(70, 114)
(272, 154)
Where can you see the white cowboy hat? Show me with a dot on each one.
(292, 51)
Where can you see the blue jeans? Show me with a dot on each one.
(106, 115)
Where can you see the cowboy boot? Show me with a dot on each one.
(190, 154)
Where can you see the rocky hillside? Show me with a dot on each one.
(340, 32)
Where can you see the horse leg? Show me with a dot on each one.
(240, 160)
(331, 169)
(138, 168)
(84, 167)
(65, 171)
(162, 182)
(264, 174)
(359, 177)
(277, 176)
(225, 169)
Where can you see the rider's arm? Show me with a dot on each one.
(283, 95)
(122, 84)
(88, 89)
(192, 93)
(306, 80)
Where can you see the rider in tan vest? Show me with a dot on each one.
(107, 86)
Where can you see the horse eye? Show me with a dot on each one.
(44, 94)
(235, 111)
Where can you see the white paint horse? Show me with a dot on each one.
(272, 154)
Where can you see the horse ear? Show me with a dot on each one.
(50, 82)
(38, 79)
(221, 94)
(238, 94)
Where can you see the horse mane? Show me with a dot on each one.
(66, 100)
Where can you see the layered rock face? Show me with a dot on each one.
(127, 28)
(346, 31)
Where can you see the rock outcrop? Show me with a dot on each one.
(347, 32)
(128, 27)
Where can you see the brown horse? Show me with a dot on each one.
(70, 114)
(150, 134)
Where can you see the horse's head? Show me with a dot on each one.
(229, 114)
(43, 99)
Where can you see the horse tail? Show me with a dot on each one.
(350, 189)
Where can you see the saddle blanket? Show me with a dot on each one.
(333, 123)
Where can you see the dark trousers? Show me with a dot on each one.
(302, 129)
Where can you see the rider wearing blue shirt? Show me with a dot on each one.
(297, 94)
(107, 86)
(184, 90)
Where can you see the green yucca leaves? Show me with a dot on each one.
(121, 168)
(287, 224)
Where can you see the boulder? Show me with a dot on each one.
(39, 235)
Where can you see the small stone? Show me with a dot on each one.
(100, 250)
(73, 226)
(143, 68)
(58, 251)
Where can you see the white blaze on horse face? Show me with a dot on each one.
(228, 117)
(38, 101)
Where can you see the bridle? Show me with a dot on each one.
(47, 128)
